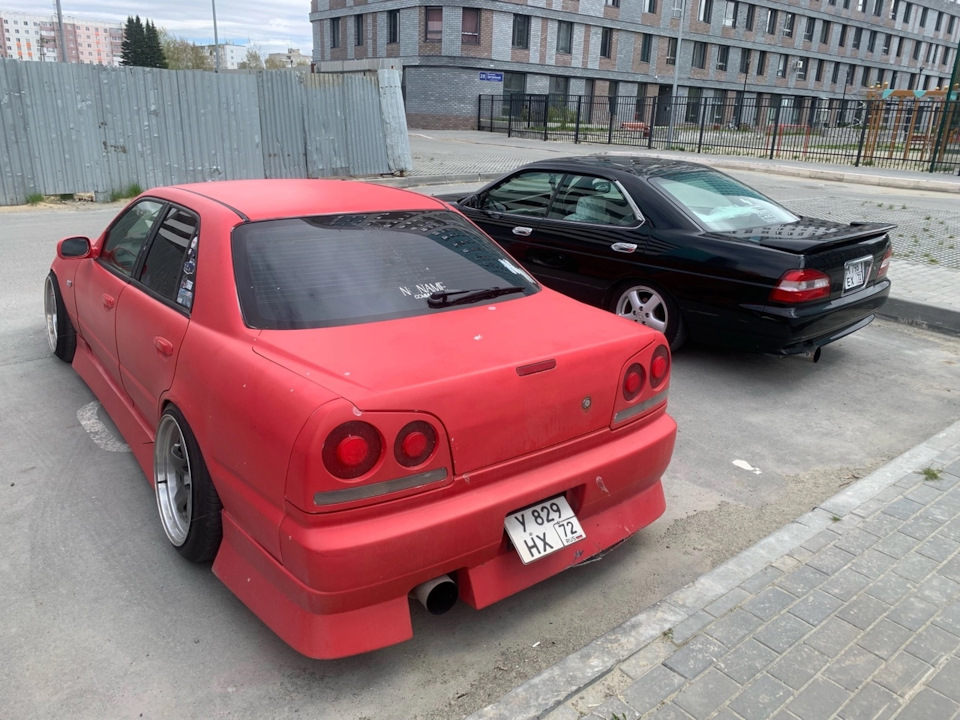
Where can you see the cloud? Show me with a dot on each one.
(273, 26)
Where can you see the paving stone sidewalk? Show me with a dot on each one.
(852, 611)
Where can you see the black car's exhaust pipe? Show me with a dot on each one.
(437, 595)
(811, 355)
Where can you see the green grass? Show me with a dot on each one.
(131, 190)
(930, 473)
(35, 198)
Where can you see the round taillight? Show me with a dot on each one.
(415, 443)
(633, 381)
(659, 366)
(352, 449)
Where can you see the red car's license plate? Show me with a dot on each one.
(543, 528)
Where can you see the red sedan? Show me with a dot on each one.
(346, 395)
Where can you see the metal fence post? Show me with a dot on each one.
(776, 127)
(479, 111)
(703, 123)
(576, 127)
(509, 99)
(863, 133)
(653, 119)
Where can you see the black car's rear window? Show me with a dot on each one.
(334, 270)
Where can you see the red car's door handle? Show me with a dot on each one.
(522, 231)
(109, 301)
(163, 345)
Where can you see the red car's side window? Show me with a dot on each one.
(170, 262)
(128, 235)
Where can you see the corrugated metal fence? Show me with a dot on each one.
(86, 128)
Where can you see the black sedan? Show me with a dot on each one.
(687, 250)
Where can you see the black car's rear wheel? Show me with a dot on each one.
(649, 305)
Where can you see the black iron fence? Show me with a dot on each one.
(919, 134)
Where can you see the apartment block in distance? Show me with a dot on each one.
(37, 38)
(803, 54)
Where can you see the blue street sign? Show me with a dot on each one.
(492, 76)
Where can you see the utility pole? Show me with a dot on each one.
(63, 42)
(952, 95)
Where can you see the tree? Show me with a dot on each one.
(182, 54)
(253, 60)
(141, 44)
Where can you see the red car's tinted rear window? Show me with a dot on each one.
(347, 269)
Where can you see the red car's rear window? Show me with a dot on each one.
(347, 269)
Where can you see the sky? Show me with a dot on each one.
(272, 25)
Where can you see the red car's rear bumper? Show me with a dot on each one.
(343, 587)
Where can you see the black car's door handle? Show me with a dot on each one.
(522, 231)
(624, 247)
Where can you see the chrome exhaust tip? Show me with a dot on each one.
(437, 595)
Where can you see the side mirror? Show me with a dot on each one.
(73, 247)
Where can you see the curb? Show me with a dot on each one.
(554, 686)
(926, 317)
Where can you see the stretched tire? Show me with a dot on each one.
(61, 335)
(650, 305)
(186, 498)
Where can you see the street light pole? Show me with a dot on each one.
(216, 40)
(63, 42)
(676, 74)
(743, 95)
(843, 97)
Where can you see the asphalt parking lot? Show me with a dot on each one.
(103, 619)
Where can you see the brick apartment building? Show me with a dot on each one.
(804, 53)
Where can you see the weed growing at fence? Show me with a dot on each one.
(34, 198)
(132, 190)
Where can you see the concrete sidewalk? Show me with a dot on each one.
(926, 278)
(851, 611)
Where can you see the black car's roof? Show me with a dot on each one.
(639, 165)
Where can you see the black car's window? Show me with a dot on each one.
(528, 193)
(590, 199)
(719, 202)
(128, 234)
(348, 269)
(170, 264)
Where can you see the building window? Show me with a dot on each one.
(872, 42)
(646, 44)
(564, 36)
(865, 77)
(842, 41)
(950, 24)
(878, 8)
(671, 51)
(706, 11)
(723, 57)
(433, 28)
(857, 36)
(782, 66)
(358, 29)
(825, 32)
(514, 83)
(751, 14)
(923, 17)
(730, 14)
(699, 55)
(885, 48)
(917, 45)
(613, 3)
(861, 6)
(606, 42)
(648, 6)
(835, 78)
(393, 26)
(894, 9)
(771, 28)
(907, 12)
(819, 77)
(899, 47)
(788, 21)
(801, 67)
(744, 61)
(761, 62)
(939, 24)
(470, 26)
(334, 32)
(521, 32)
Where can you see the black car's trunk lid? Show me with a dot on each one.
(812, 235)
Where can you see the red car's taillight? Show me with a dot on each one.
(659, 366)
(415, 443)
(352, 449)
(798, 286)
(633, 382)
(884, 264)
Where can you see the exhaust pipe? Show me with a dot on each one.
(811, 355)
(437, 595)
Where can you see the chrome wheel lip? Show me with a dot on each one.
(632, 307)
(50, 313)
(173, 482)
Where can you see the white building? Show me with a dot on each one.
(230, 55)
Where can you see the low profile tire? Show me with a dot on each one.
(61, 335)
(188, 503)
(649, 305)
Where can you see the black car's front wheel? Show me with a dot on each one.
(649, 305)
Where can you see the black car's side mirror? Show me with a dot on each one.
(73, 247)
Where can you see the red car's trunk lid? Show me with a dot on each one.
(484, 371)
